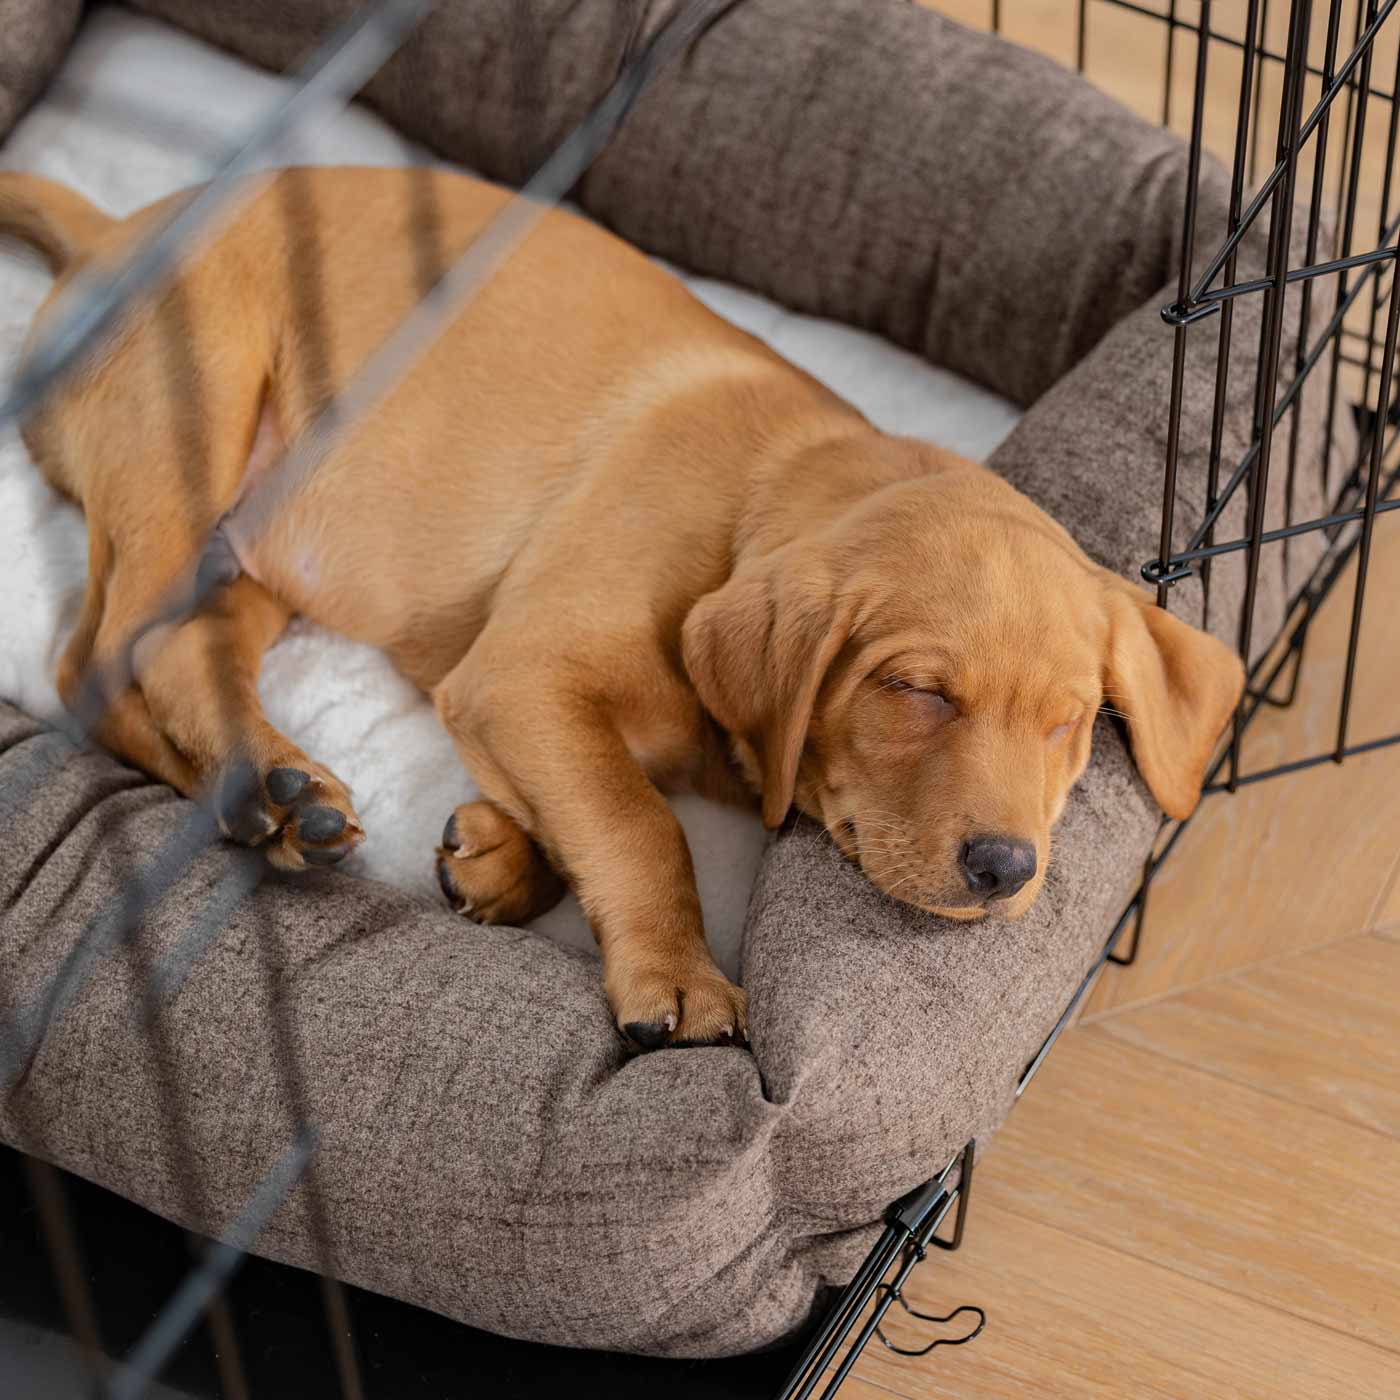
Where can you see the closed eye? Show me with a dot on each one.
(940, 705)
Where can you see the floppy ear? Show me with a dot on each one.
(757, 651)
(1177, 685)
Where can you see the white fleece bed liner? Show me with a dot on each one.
(139, 111)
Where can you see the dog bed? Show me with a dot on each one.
(485, 1147)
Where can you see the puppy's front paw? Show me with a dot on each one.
(691, 1004)
(491, 871)
(296, 811)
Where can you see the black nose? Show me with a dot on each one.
(997, 866)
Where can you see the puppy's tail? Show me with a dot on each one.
(48, 216)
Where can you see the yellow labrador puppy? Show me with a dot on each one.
(624, 546)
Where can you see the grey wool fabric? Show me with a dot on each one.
(34, 36)
(485, 1147)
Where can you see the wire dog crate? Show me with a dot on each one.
(1296, 94)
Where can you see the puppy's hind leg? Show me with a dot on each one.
(191, 716)
(156, 442)
(200, 683)
(123, 724)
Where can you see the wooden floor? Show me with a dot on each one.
(1199, 1196)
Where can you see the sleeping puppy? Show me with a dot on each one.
(626, 549)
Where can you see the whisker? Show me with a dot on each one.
(875, 814)
(897, 863)
(890, 889)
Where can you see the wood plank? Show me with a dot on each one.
(1267, 1200)
(857, 1387)
(1318, 1029)
(1069, 1317)
(1387, 915)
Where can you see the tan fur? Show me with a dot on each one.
(624, 546)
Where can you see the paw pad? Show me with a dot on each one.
(321, 824)
(298, 816)
(284, 785)
(649, 1035)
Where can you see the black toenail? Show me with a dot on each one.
(320, 824)
(284, 784)
(331, 857)
(449, 833)
(445, 881)
(650, 1035)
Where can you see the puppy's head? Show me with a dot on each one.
(921, 674)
